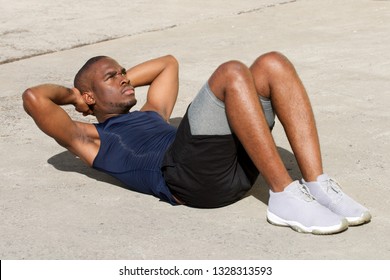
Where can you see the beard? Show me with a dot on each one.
(124, 107)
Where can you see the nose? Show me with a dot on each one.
(124, 80)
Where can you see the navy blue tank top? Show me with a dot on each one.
(132, 147)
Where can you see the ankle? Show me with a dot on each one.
(281, 187)
(316, 179)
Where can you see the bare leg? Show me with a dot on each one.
(233, 83)
(276, 79)
(273, 77)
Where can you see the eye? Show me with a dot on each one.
(124, 72)
(110, 75)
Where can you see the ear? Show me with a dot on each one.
(88, 97)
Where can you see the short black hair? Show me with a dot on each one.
(80, 82)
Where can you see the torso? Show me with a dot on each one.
(131, 148)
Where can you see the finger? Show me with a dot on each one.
(75, 90)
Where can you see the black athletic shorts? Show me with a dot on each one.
(207, 171)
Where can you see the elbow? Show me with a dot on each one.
(28, 98)
(27, 94)
(173, 65)
(172, 60)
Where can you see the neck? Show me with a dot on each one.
(103, 114)
(103, 117)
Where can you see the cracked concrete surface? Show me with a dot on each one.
(30, 28)
(53, 207)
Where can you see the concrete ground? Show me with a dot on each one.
(53, 207)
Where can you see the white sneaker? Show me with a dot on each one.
(328, 193)
(297, 208)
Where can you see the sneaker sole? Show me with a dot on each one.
(277, 221)
(356, 221)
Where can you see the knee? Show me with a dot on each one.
(232, 70)
(273, 61)
(228, 77)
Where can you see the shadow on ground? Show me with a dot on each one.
(260, 190)
(67, 162)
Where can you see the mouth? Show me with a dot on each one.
(128, 90)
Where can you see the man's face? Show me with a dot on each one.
(112, 90)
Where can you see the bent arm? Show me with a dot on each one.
(43, 104)
(162, 76)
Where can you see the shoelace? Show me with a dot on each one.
(332, 184)
(305, 191)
